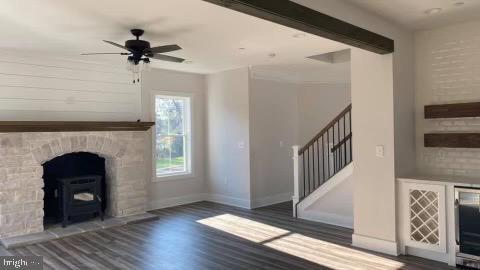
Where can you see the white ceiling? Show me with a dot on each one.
(210, 35)
(411, 13)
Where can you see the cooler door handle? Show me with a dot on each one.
(457, 221)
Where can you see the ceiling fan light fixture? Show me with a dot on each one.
(139, 53)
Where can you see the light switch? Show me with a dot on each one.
(241, 145)
(380, 151)
(281, 143)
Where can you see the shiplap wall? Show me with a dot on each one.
(43, 88)
(447, 71)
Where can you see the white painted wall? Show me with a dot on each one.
(34, 87)
(283, 114)
(447, 71)
(273, 131)
(180, 190)
(318, 104)
(403, 77)
(228, 137)
(333, 202)
(374, 177)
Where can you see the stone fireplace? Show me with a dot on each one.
(23, 153)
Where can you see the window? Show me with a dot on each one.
(172, 135)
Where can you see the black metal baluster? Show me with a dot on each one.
(313, 165)
(338, 147)
(351, 133)
(323, 159)
(318, 164)
(308, 167)
(333, 153)
(345, 142)
(304, 173)
(328, 152)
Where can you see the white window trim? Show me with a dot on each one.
(173, 176)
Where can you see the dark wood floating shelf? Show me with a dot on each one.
(452, 140)
(66, 126)
(457, 110)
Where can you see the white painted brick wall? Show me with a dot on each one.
(447, 71)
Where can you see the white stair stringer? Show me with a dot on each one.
(332, 202)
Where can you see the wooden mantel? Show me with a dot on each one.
(68, 126)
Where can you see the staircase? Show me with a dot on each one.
(322, 159)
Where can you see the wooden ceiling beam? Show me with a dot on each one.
(305, 19)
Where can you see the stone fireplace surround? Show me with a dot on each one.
(23, 153)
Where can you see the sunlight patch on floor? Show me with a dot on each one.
(312, 249)
(245, 228)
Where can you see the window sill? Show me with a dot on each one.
(173, 177)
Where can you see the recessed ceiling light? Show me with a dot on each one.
(272, 55)
(432, 11)
(241, 48)
(459, 4)
(299, 35)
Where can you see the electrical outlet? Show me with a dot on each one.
(241, 145)
(281, 143)
(380, 151)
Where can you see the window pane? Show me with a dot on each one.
(176, 112)
(163, 154)
(161, 116)
(170, 115)
(171, 127)
(171, 155)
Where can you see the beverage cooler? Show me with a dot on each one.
(467, 214)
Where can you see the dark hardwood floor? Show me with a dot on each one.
(206, 235)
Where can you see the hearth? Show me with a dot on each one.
(75, 188)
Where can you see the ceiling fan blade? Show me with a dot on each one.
(116, 44)
(104, 53)
(168, 58)
(164, 49)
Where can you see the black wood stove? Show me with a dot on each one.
(75, 188)
(79, 196)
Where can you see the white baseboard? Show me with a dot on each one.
(278, 198)
(378, 245)
(427, 254)
(228, 200)
(217, 198)
(328, 218)
(169, 202)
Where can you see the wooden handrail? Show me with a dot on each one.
(325, 129)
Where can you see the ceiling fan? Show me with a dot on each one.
(139, 51)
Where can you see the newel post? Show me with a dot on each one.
(296, 179)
